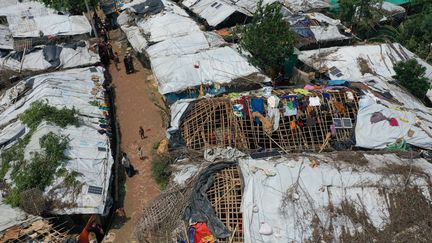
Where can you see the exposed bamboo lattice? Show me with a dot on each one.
(38, 231)
(212, 123)
(225, 196)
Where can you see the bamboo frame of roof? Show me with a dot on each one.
(212, 123)
(225, 195)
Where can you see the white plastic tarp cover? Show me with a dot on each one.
(135, 37)
(24, 8)
(363, 63)
(306, 5)
(379, 135)
(214, 12)
(10, 217)
(35, 61)
(93, 166)
(187, 44)
(220, 65)
(286, 194)
(6, 40)
(71, 88)
(166, 25)
(49, 25)
(89, 151)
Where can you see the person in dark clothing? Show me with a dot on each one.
(103, 54)
(130, 171)
(141, 132)
(130, 62)
(110, 50)
(104, 34)
(126, 64)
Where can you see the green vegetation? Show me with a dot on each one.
(160, 169)
(410, 74)
(39, 171)
(415, 32)
(94, 103)
(160, 166)
(361, 15)
(40, 111)
(75, 6)
(267, 38)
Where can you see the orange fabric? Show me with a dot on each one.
(203, 234)
(292, 124)
(340, 107)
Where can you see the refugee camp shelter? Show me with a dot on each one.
(296, 197)
(369, 63)
(288, 120)
(223, 13)
(312, 197)
(40, 58)
(31, 23)
(306, 5)
(315, 30)
(183, 58)
(89, 152)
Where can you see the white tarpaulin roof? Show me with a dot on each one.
(49, 25)
(135, 37)
(29, 19)
(35, 60)
(187, 44)
(288, 193)
(363, 63)
(167, 25)
(217, 11)
(12, 216)
(220, 65)
(306, 5)
(6, 39)
(214, 12)
(89, 151)
(379, 135)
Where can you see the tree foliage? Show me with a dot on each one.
(74, 6)
(415, 32)
(268, 38)
(410, 74)
(361, 15)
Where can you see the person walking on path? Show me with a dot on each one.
(126, 63)
(110, 50)
(141, 153)
(127, 165)
(116, 61)
(141, 132)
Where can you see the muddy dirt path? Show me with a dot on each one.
(136, 96)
